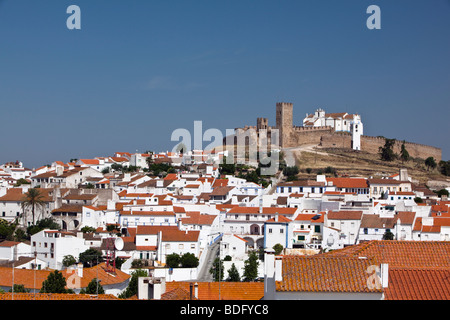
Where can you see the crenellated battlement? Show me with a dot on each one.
(326, 136)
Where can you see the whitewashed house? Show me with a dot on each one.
(347, 222)
(51, 246)
(233, 246)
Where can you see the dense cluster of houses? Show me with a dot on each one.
(190, 209)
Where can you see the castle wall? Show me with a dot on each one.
(292, 136)
(372, 145)
(415, 150)
(337, 140)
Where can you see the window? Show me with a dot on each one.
(281, 230)
(317, 229)
(181, 246)
(270, 230)
(192, 246)
(366, 231)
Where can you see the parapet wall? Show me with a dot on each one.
(415, 150)
(373, 144)
(328, 138)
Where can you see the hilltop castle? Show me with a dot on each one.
(328, 130)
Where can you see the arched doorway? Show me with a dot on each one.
(254, 229)
(250, 242)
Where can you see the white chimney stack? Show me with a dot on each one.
(80, 270)
(384, 275)
(269, 274)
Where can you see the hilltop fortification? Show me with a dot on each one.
(336, 130)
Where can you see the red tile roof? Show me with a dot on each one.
(170, 233)
(265, 210)
(228, 290)
(401, 254)
(344, 215)
(320, 273)
(32, 279)
(55, 296)
(418, 284)
(349, 182)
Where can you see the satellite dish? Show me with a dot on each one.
(118, 244)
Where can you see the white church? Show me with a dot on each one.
(341, 122)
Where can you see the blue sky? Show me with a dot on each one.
(138, 70)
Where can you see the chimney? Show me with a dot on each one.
(196, 290)
(269, 274)
(150, 288)
(384, 275)
(159, 287)
(403, 174)
(111, 205)
(59, 170)
(80, 270)
(278, 268)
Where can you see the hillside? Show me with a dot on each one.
(348, 162)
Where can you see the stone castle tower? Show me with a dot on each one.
(284, 120)
(330, 132)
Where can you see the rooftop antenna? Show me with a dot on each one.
(112, 244)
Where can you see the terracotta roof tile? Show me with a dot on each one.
(401, 254)
(320, 273)
(55, 296)
(228, 290)
(345, 215)
(418, 284)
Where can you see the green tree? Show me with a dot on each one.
(227, 168)
(278, 248)
(404, 154)
(55, 283)
(251, 267)
(386, 152)
(105, 170)
(132, 288)
(94, 287)
(173, 260)
(233, 274)
(430, 162)
(217, 270)
(388, 235)
(442, 192)
(20, 182)
(87, 229)
(19, 288)
(33, 199)
(7, 230)
(418, 200)
(68, 261)
(291, 171)
(46, 223)
(444, 167)
(90, 257)
(189, 260)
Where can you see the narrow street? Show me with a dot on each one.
(211, 254)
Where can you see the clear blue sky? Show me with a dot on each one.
(137, 70)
